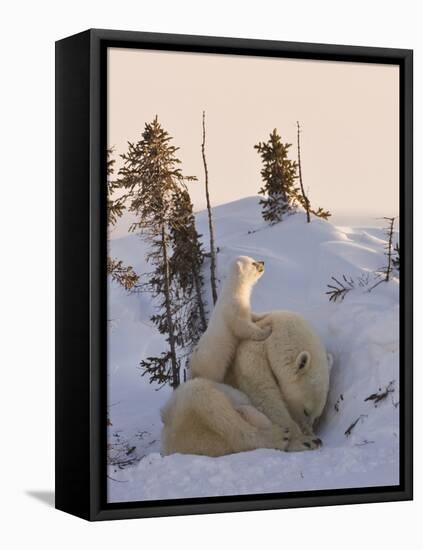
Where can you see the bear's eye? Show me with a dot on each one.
(306, 413)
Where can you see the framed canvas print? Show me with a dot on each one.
(234, 274)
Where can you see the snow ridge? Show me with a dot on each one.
(362, 333)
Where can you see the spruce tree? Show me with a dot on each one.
(153, 181)
(114, 208)
(123, 275)
(186, 289)
(186, 263)
(188, 255)
(279, 174)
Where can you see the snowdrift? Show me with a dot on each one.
(360, 437)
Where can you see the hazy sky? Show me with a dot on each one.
(349, 113)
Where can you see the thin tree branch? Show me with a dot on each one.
(211, 231)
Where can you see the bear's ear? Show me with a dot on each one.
(302, 362)
(239, 266)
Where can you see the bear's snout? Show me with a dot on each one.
(259, 266)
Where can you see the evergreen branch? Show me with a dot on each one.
(121, 274)
(339, 291)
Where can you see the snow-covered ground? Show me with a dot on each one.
(362, 333)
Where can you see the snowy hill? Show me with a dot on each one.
(362, 333)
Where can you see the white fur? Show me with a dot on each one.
(286, 376)
(231, 322)
(206, 418)
(286, 379)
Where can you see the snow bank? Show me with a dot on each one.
(362, 333)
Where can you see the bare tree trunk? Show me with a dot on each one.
(199, 299)
(174, 361)
(306, 201)
(390, 232)
(211, 232)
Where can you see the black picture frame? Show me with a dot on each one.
(81, 290)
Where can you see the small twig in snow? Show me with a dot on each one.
(395, 404)
(353, 425)
(141, 434)
(364, 442)
(118, 480)
(381, 395)
(375, 285)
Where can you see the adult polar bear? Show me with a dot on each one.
(206, 418)
(287, 376)
(277, 359)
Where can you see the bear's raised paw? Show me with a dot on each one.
(262, 334)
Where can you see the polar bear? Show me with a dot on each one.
(231, 322)
(206, 418)
(286, 376)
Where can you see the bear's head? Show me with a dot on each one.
(304, 385)
(247, 269)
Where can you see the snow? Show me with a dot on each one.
(362, 333)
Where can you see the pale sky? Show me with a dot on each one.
(349, 113)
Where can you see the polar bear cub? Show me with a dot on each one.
(206, 418)
(231, 322)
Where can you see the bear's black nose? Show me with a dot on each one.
(261, 263)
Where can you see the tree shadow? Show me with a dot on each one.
(46, 497)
